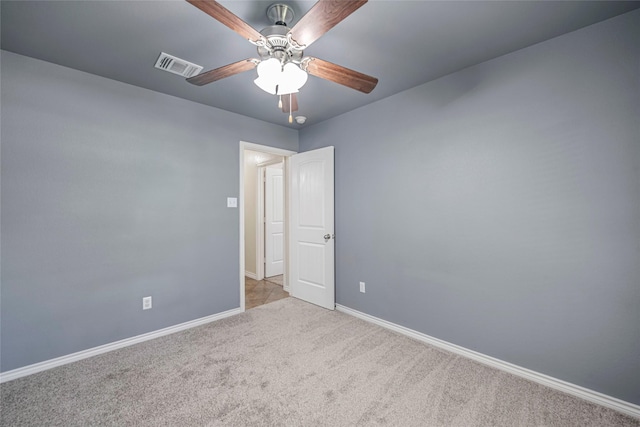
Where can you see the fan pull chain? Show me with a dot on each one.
(290, 108)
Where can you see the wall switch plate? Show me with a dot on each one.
(146, 303)
(232, 202)
(362, 287)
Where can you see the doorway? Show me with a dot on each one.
(309, 236)
(261, 284)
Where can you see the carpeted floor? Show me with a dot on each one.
(288, 363)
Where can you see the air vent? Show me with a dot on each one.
(178, 66)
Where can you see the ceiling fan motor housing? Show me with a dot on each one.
(278, 46)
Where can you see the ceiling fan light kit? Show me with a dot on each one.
(279, 72)
(278, 79)
(282, 69)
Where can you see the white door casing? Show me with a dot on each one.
(274, 221)
(273, 151)
(312, 244)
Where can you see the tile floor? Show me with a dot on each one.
(263, 292)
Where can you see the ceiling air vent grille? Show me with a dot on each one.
(178, 66)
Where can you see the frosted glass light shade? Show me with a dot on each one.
(269, 69)
(268, 75)
(292, 79)
(278, 80)
(266, 85)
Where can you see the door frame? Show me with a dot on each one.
(244, 145)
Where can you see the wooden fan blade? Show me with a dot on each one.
(289, 107)
(226, 17)
(323, 16)
(222, 72)
(339, 74)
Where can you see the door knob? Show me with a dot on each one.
(327, 237)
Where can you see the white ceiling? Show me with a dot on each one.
(402, 43)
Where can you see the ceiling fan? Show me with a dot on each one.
(282, 67)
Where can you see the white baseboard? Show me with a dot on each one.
(74, 357)
(554, 383)
(250, 275)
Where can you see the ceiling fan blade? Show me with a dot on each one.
(323, 16)
(222, 72)
(289, 107)
(226, 17)
(339, 74)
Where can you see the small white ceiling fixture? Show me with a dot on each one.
(176, 65)
(300, 120)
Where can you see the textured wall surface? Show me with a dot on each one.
(111, 193)
(498, 208)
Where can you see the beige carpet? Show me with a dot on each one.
(288, 363)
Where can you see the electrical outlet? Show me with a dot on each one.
(146, 303)
(362, 287)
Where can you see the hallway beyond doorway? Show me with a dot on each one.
(259, 292)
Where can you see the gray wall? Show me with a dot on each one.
(498, 208)
(111, 193)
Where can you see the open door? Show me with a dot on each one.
(312, 245)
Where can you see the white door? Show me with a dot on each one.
(312, 244)
(274, 222)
